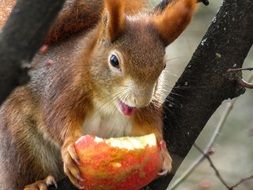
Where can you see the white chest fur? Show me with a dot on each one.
(106, 126)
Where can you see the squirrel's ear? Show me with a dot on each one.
(113, 19)
(172, 21)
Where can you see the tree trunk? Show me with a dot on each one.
(205, 83)
(20, 39)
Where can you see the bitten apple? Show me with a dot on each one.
(126, 163)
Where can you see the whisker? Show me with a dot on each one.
(168, 71)
(174, 58)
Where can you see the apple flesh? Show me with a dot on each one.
(125, 163)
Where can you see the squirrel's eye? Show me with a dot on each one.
(114, 61)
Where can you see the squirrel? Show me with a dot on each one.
(102, 82)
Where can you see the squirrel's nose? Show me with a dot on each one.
(141, 98)
(141, 102)
(139, 94)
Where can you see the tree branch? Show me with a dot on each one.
(209, 146)
(20, 39)
(205, 82)
(241, 181)
(211, 142)
(218, 174)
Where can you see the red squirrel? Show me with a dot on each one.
(102, 83)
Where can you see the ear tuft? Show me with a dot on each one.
(172, 21)
(113, 18)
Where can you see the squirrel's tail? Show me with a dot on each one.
(78, 16)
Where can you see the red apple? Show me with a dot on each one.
(126, 163)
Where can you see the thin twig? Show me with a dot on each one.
(242, 82)
(187, 173)
(245, 84)
(241, 181)
(240, 69)
(217, 173)
(215, 135)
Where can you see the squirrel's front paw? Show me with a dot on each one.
(167, 161)
(42, 184)
(70, 163)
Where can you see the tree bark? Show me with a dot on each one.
(20, 39)
(205, 83)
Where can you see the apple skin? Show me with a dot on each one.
(106, 167)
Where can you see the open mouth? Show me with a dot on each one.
(126, 109)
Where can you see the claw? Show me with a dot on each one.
(71, 163)
(42, 184)
(167, 161)
(73, 154)
(50, 180)
(163, 172)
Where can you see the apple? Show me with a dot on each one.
(125, 163)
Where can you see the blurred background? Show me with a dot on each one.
(233, 149)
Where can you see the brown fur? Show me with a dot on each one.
(41, 120)
(76, 16)
(174, 19)
(24, 155)
(114, 17)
